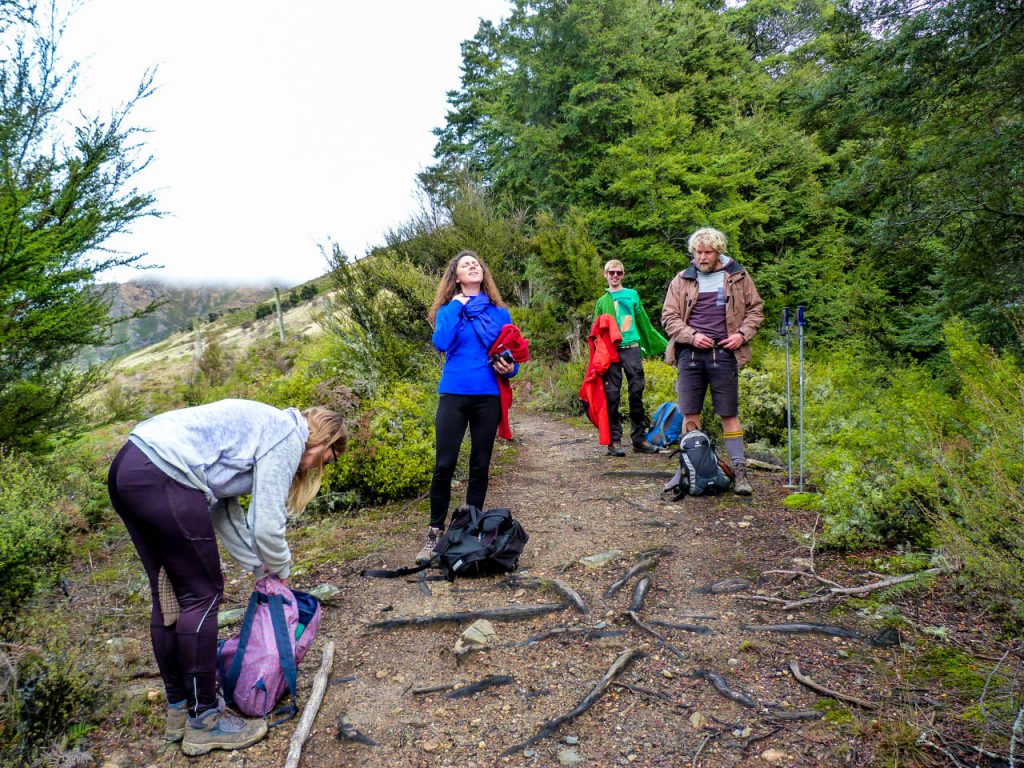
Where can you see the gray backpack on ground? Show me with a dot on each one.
(700, 470)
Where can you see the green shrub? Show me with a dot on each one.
(982, 465)
(391, 447)
(33, 545)
(869, 448)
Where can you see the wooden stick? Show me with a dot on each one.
(794, 668)
(806, 574)
(617, 668)
(497, 614)
(316, 696)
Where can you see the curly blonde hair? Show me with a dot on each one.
(449, 285)
(709, 238)
(325, 428)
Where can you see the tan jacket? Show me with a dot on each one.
(744, 310)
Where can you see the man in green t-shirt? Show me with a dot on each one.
(638, 338)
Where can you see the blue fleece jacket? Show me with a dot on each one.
(467, 364)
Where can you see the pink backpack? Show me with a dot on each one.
(258, 664)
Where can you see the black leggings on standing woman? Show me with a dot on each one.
(482, 413)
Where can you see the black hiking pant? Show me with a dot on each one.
(630, 363)
(171, 528)
(482, 413)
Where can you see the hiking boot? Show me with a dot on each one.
(614, 449)
(177, 716)
(217, 729)
(644, 446)
(427, 553)
(741, 483)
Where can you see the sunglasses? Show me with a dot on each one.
(614, 272)
(332, 457)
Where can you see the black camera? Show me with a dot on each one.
(505, 355)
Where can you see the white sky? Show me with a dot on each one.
(275, 126)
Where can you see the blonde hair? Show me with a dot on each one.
(325, 428)
(709, 238)
(449, 285)
(613, 264)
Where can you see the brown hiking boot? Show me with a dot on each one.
(741, 483)
(427, 553)
(217, 729)
(177, 717)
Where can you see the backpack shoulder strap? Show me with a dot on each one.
(231, 678)
(384, 573)
(286, 655)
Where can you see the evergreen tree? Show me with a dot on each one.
(60, 202)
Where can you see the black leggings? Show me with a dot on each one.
(171, 528)
(482, 413)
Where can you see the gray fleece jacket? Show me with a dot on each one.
(228, 449)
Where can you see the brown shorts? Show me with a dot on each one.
(700, 368)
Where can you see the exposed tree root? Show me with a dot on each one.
(571, 596)
(664, 643)
(617, 668)
(588, 633)
(488, 682)
(640, 594)
(496, 614)
(794, 668)
(718, 681)
(695, 628)
(804, 628)
(643, 565)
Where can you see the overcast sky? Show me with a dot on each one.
(275, 126)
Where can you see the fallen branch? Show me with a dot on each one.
(760, 599)
(640, 593)
(497, 614)
(664, 643)
(718, 681)
(643, 565)
(433, 689)
(316, 697)
(617, 668)
(804, 628)
(488, 682)
(794, 668)
(863, 590)
(806, 574)
(803, 714)
(564, 590)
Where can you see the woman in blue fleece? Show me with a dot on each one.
(467, 316)
(177, 481)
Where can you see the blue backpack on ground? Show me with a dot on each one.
(667, 425)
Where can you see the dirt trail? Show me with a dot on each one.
(574, 501)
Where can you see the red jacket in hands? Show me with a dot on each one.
(510, 338)
(604, 341)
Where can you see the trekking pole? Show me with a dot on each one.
(784, 332)
(801, 322)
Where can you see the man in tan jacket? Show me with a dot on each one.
(712, 311)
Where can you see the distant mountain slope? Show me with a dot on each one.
(179, 305)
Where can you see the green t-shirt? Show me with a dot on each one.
(626, 301)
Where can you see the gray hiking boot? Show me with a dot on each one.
(218, 729)
(614, 449)
(427, 553)
(644, 446)
(741, 483)
(177, 717)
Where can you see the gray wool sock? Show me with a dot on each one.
(734, 445)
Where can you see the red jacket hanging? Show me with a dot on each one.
(604, 341)
(511, 339)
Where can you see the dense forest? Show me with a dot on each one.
(865, 159)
